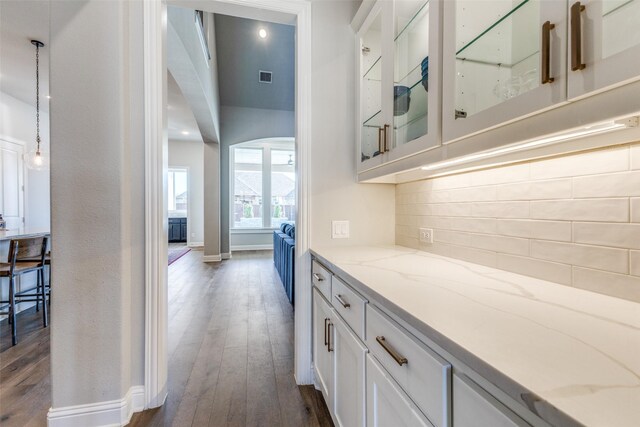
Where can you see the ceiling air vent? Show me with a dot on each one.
(264, 76)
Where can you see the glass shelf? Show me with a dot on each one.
(374, 121)
(415, 18)
(609, 7)
(418, 107)
(498, 43)
(374, 72)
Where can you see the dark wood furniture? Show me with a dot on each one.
(177, 229)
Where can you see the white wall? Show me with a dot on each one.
(190, 154)
(335, 195)
(18, 124)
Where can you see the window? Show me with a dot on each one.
(177, 192)
(247, 188)
(263, 184)
(283, 187)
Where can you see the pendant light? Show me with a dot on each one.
(37, 158)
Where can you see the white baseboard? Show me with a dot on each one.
(102, 414)
(253, 247)
(212, 258)
(196, 245)
(226, 256)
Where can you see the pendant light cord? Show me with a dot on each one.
(38, 98)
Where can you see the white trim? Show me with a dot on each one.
(264, 247)
(156, 243)
(196, 244)
(211, 258)
(226, 255)
(109, 413)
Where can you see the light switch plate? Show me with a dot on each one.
(426, 235)
(339, 229)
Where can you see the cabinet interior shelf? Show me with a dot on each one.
(616, 8)
(485, 53)
(410, 22)
(367, 75)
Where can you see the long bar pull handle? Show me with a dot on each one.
(342, 301)
(546, 52)
(380, 143)
(400, 360)
(318, 277)
(386, 138)
(326, 342)
(576, 37)
(329, 348)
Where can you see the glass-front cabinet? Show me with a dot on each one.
(604, 45)
(502, 60)
(399, 72)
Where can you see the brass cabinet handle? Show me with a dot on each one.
(546, 52)
(329, 349)
(380, 146)
(326, 342)
(342, 301)
(392, 352)
(318, 277)
(576, 37)
(386, 138)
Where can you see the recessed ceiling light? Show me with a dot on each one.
(262, 33)
(184, 132)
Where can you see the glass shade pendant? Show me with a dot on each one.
(37, 158)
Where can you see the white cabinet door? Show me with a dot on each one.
(604, 45)
(322, 347)
(495, 56)
(349, 376)
(473, 407)
(11, 184)
(387, 404)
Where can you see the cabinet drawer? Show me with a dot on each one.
(321, 278)
(424, 375)
(472, 406)
(349, 305)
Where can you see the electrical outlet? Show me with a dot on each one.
(426, 235)
(339, 229)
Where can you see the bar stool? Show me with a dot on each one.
(25, 256)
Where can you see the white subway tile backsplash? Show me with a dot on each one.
(618, 285)
(549, 230)
(635, 210)
(536, 190)
(609, 185)
(552, 271)
(590, 163)
(614, 210)
(604, 234)
(572, 220)
(634, 261)
(609, 259)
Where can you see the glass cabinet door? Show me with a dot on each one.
(372, 114)
(604, 44)
(504, 59)
(415, 71)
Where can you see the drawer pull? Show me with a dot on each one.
(325, 331)
(343, 302)
(329, 348)
(318, 277)
(546, 52)
(576, 37)
(392, 352)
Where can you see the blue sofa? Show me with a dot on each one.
(284, 247)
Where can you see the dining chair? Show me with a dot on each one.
(25, 256)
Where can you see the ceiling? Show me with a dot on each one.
(20, 22)
(242, 54)
(179, 115)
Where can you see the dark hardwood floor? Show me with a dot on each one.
(230, 353)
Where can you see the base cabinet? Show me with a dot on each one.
(322, 356)
(387, 404)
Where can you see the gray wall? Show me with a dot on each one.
(97, 192)
(211, 199)
(242, 125)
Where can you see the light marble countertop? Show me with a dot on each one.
(20, 233)
(571, 356)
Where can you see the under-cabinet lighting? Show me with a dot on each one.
(596, 129)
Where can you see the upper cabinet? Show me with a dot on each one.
(604, 48)
(503, 60)
(399, 73)
(448, 79)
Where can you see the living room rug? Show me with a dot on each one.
(175, 254)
